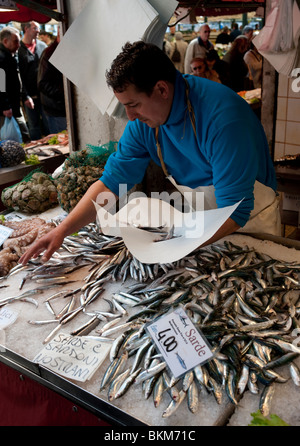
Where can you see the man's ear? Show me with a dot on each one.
(162, 87)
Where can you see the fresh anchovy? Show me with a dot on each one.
(148, 373)
(193, 397)
(295, 374)
(266, 399)
(116, 384)
(50, 321)
(242, 383)
(113, 369)
(127, 383)
(52, 333)
(173, 406)
(158, 389)
(87, 327)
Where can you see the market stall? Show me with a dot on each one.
(242, 294)
(35, 298)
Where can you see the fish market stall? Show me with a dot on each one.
(94, 302)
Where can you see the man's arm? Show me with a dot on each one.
(227, 228)
(83, 214)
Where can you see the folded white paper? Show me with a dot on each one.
(190, 230)
(96, 37)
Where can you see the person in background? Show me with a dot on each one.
(223, 37)
(167, 47)
(234, 32)
(46, 37)
(12, 94)
(254, 61)
(198, 47)
(29, 54)
(217, 65)
(199, 68)
(51, 88)
(218, 148)
(248, 32)
(237, 68)
(181, 45)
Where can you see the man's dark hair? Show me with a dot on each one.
(141, 64)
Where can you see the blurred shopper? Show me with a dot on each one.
(248, 32)
(254, 61)
(234, 32)
(11, 95)
(51, 88)
(198, 47)
(238, 70)
(217, 65)
(30, 52)
(46, 37)
(223, 37)
(200, 68)
(178, 51)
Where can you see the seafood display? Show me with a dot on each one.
(245, 303)
(34, 194)
(24, 233)
(11, 153)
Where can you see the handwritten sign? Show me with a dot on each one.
(4, 233)
(7, 317)
(75, 357)
(180, 343)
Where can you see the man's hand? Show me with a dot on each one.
(8, 113)
(83, 214)
(29, 103)
(47, 245)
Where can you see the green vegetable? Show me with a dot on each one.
(2, 218)
(260, 420)
(53, 141)
(32, 159)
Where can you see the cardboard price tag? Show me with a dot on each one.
(7, 316)
(75, 357)
(179, 341)
(4, 233)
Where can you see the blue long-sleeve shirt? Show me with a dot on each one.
(231, 151)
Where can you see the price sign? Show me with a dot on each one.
(179, 341)
(8, 316)
(75, 357)
(4, 233)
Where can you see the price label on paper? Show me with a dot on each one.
(179, 341)
(75, 357)
(7, 316)
(4, 233)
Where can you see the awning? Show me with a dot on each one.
(211, 8)
(41, 11)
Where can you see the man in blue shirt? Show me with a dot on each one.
(205, 137)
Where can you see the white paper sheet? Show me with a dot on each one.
(190, 229)
(96, 37)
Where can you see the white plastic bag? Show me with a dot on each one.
(11, 130)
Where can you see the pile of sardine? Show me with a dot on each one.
(245, 303)
(247, 306)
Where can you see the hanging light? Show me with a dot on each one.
(8, 5)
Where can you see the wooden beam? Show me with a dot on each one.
(59, 17)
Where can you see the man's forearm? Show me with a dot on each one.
(227, 228)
